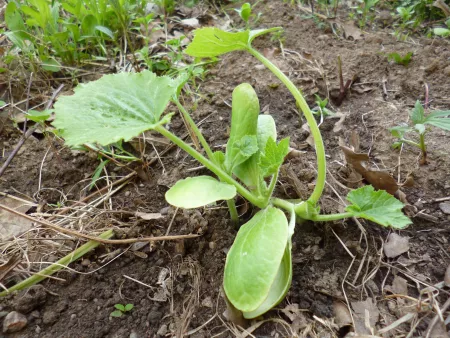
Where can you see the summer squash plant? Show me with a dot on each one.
(258, 268)
(420, 125)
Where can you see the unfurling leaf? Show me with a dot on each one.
(254, 260)
(195, 192)
(242, 150)
(273, 156)
(377, 206)
(399, 131)
(210, 42)
(115, 107)
(420, 128)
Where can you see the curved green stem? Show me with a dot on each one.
(273, 183)
(423, 147)
(331, 217)
(283, 204)
(320, 149)
(231, 204)
(223, 176)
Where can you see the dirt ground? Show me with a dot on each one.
(176, 286)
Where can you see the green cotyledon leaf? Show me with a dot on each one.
(211, 42)
(254, 259)
(195, 192)
(115, 107)
(377, 206)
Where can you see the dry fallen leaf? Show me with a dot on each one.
(12, 225)
(379, 179)
(366, 316)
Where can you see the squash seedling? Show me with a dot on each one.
(258, 268)
(420, 121)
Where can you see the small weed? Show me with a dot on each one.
(121, 310)
(400, 60)
(420, 121)
(444, 32)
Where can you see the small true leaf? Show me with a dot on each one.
(195, 192)
(242, 150)
(129, 307)
(273, 156)
(399, 131)
(115, 107)
(377, 206)
(210, 42)
(254, 259)
(119, 307)
(418, 113)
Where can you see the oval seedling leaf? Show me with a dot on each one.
(254, 259)
(195, 192)
(211, 42)
(115, 107)
(377, 206)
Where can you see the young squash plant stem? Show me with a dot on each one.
(258, 268)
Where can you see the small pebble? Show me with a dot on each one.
(445, 208)
(212, 245)
(85, 262)
(14, 322)
(396, 245)
(447, 277)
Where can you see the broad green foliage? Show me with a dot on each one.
(116, 107)
(195, 192)
(377, 206)
(258, 268)
(254, 259)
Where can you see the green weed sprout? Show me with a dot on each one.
(121, 310)
(321, 108)
(419, 125)
(258, 268)
(400, 60)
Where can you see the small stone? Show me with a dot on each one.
(207, 302)
(127, 193)
(73, 316)
(50, 317)
(133, 334)
(445, 208)
(396, 245)
(212, 245)
(162, 330)
(14, 322)
(85, 262)
(447, 277)
(164, 211)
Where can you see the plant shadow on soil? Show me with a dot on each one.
(181, 281)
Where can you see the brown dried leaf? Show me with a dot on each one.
(380, 180)
(8, 266)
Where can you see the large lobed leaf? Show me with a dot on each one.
(377, 206)
(115, 107)
(253, 262)
(195, 192)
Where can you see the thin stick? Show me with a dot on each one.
(28, 133)
(94, 238)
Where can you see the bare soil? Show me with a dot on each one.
(175, 286)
